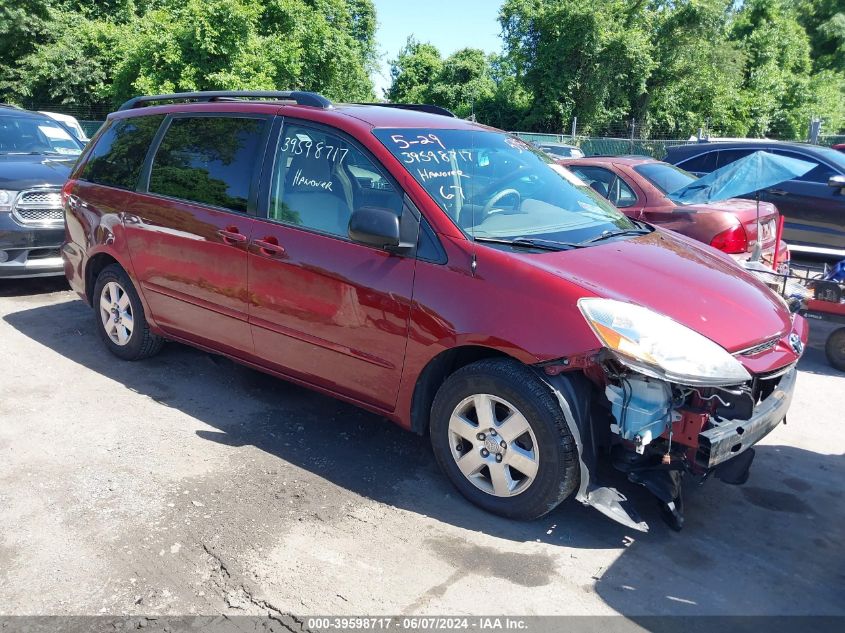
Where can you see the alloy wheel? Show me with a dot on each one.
(116, 313)
(493, 445)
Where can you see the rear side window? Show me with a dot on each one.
(118, 155)
(701, 164)
(210, 160)
(727, 156)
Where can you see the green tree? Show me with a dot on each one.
(105, 52)
(779, 88)
(577, 58)
(73, 69)
(414, 72)
(464, 81)
(23, 24)
(824, 21)
(697, 75)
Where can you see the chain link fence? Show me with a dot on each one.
(655, 148)
(607, 146)
(621, 138)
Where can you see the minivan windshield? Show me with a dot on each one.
(498, 188)
(36, 135)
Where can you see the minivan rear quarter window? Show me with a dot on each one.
(118, 155)
(210, 160)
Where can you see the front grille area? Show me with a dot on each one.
(39, 207)
(763, 347)
(39, 215)
(44, 253)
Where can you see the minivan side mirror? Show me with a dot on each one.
(837, 182)
(375, 227)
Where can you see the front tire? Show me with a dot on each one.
(500, 436)
(120, 318)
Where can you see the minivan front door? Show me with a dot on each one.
(326, 310)
(188, 233)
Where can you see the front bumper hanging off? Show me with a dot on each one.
(729, 438)
(724, 449)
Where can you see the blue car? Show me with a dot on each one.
(813, 205)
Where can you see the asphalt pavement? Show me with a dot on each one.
(187, 484)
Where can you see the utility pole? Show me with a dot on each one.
(574, 128)
(815, 130)
(633, 128)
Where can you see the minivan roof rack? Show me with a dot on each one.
(420, 107)
(300, 97)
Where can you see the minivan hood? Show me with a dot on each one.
(680, 278)
(22, 171)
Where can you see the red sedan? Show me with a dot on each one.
(639, 186)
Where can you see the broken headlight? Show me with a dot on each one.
(657, 346)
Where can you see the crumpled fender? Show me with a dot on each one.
(573, 392)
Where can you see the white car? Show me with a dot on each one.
(69, 122)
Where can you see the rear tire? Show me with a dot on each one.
(500, 436)
(119, 316)
(835, 349)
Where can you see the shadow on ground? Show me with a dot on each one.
(771, 546)
(32, 286)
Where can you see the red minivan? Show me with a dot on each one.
(440, 273)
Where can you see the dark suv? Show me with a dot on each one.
(445, 275)
(813, 205)
(36, 156)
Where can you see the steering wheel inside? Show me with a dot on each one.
(504, 193)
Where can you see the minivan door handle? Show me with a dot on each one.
(269, 246)
(232, 236)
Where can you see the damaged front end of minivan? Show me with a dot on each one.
(668, 404)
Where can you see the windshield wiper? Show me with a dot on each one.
(524, 242)
(643, 230)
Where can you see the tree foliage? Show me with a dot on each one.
(651, 67)
(86, 52)
(757, 67)
(460, 81)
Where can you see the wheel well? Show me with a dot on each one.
(436, 372)
(92, 271)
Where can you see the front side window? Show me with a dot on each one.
(819, 174)
(119, 152)
(36, 135)
(496, 186)
(210, 160)
(320, 178)
(607, 184)
(664, 176)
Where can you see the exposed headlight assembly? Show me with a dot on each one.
(7, 199)
(657, 346)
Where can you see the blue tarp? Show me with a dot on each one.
(746, 175)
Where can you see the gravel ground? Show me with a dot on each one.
(186, 484)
